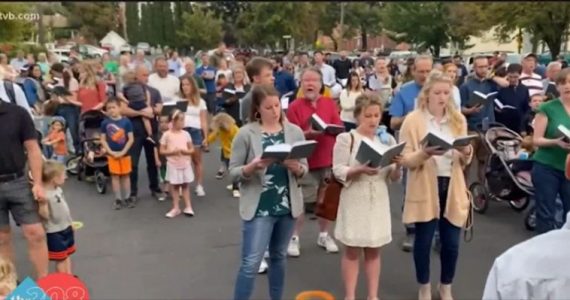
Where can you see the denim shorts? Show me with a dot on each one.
(196, 135)
(16, 197)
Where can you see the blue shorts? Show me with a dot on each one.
(61, 244)
(196, 135)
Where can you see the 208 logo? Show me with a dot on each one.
(57, 286)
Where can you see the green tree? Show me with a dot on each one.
(94, 19)
(364, 17)
(15, 30)
(168, 25)
(200, 29)
(146, 29)
(133, 22)
(546, 21)
(229, 12)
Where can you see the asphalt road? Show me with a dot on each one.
(139, 254)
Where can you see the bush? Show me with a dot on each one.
(11, 49)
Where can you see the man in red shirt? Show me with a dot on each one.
(320, 163)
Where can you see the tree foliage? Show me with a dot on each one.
(133, 22)
(229, 12)
(94, 19)
(431, 25)
(14, 30)
(200, 29)
(547, 21)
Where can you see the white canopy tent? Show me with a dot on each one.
(114, 39)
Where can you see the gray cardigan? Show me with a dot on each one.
(247, 146)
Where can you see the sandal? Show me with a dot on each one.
(188, 212)
(173, 213)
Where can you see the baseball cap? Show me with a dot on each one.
(530, 55)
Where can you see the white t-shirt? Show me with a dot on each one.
(168, 87)
(329, 74)
(192, 116)
(347, 102)
(227, 73)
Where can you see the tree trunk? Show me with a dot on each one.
(436, 50)
(335, 43)
(363, 38)
(41, 27)
(554, 44)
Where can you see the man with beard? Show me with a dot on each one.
(320, 162)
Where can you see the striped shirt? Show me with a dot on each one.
(533, 82)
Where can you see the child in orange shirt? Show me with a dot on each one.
(56, 140)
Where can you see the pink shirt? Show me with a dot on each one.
(300, 112)
(175, 140)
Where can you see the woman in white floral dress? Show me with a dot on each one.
(363, 221)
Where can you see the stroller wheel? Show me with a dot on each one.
(519, 205)
(480, 198)
(72, 165)
(100, 182)
(530, 219)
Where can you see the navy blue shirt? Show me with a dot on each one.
(405, 100)
(117, 132)
(284, 82)
(517, 97)
(210, 83)
(466, 90)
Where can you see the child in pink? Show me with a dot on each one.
(176, 146)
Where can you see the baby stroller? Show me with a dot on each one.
(82, 165)
(507, 178)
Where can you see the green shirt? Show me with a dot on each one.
(112, 67)
(553, 156)
(274, 199)
(200, 82)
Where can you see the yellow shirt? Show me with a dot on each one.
(325, 93)
(226, 138)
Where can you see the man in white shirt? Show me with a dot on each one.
(329, 75)
(19, 61)
(168, 85)
(535, 269)
(140, 60)
(528, 78)
(19, 96)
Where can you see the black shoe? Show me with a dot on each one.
(408, 243)
(132, 202)
(118, 204)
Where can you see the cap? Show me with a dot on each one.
(57, 119)
(530, 55)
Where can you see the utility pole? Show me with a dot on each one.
(341, 24)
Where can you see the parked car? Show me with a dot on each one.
(144, 47)
(91, 51)
(126, 48)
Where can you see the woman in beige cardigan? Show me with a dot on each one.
(436, 194)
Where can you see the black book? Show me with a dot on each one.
(168, 109)
(320, 125)
(377, 156)
(445, 143)
(478, 98)
(298, 150)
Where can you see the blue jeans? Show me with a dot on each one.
(548, 184)
(259, 233)
(70, 113)
(449, 236)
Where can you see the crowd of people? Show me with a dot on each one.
(176, 112)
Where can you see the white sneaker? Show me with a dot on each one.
(200, 191)
(294, 248)
(236, 193)
(328, 243)
(230, 187)
(263, 267)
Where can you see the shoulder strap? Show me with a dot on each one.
(9, 87)
(351, 142)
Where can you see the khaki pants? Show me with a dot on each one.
(311, 183)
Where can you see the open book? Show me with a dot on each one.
(285, 99)
(433, 139)
(502, 106)
(478, 98)
(565, 132)
(298, 150)
(377, 155)
(320, 125)
(168, 109)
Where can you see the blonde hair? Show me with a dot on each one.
(366, 100)
(222, 120)
(455, 117)
(51, 169)
(176, 115)
(8, 277)
(129, 77)
(90, 69)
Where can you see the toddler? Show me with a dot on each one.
(176, 145)
(225, 129)
(535, 102)
(221, 84)
(56, 141)
(57, 217)
(138, 98)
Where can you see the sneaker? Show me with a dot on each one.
(220, 174)
(230, 187)
(294, 248)
(132, 202)
(408, 243)
(327, 242)
(118, 204)
(160, 196)
(263, 267)
(200, 191)
(188, 212)
(173, 213)
(236, 194)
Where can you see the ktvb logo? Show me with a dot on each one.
(53, 287)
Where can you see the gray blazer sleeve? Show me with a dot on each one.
(299, 136)
(239, 157)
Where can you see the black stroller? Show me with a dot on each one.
(507, 178)
(92, 161)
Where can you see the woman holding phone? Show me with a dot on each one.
(436, 192)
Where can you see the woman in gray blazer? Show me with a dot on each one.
(271, 196)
